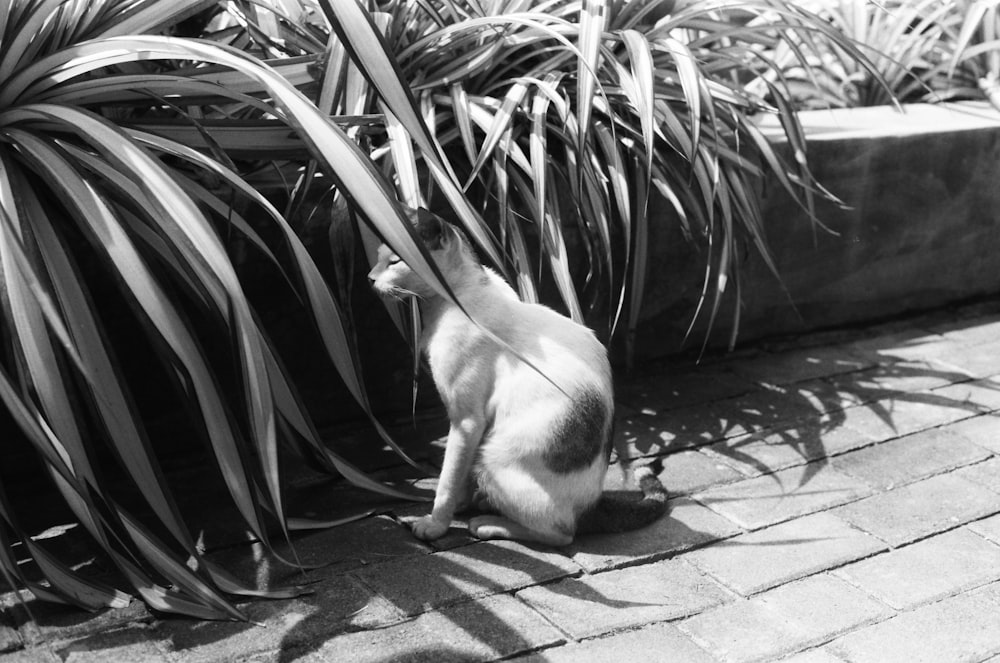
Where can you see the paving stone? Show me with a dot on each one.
(987, 527)
(970, 332)
(893, 380)
(338, 604)
(485, 630)
(753, 562)
(771, 408)
(823, 394)
(764, 453)
(819, 655)
(335, 550)
(984, 430)
(456, 536)
(903, 415)
(962, 628)
(983, 394)
(9, 639)
(920, 509)
(927, 570)
(596, 604)
(783, 495)
(907, 459)
(368, 541)
(979, 360)
(905, 345)
(688, 524)
(53, 622)
(783, 620)
(431, 581)
(742, 632)
(799, 365)
(822, 606)
(872, 420)
(322, 497)
(32, 655)
(663, 643)
(985, 474)
(654, 434)
(133, 644)
(685, 472)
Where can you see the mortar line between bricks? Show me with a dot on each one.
(750, 530)
(902, 613)
(656, 557)
(545, 618)
(910, 482)
(375, 592)
(524, 654)
(802, 577)
(990, 656)
(926, 602)
(699, 445)
(992, 455)
(982, 536)
(836, 454)
(463, 599)
(632, 628)
(808, 650)
(850, 581)
(899, 547)
(931, 535)
(822, 641)
(733, 595)
(160, 647)
(877, 493)
(809, 643)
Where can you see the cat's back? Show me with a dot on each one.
(554, 344)
(565, 351)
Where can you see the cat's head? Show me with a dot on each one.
(447, 245)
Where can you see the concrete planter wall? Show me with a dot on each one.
(922, 230)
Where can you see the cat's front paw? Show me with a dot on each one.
(428, 529)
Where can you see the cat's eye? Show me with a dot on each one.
(394, 259)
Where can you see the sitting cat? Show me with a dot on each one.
(534, 452)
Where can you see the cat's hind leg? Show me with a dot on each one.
(499, 527)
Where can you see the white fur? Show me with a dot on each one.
(501, 408)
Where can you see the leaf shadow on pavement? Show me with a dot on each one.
(769, 426)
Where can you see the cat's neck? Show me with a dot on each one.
(473, 287)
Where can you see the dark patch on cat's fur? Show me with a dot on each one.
(579, 437)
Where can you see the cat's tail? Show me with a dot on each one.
(621, 512)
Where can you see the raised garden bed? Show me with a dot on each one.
(921, 230)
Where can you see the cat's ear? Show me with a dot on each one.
(431, 228)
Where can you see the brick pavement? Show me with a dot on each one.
(835, 498)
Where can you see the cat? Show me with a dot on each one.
(530, 442)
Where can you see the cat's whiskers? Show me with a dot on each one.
(402, 293)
